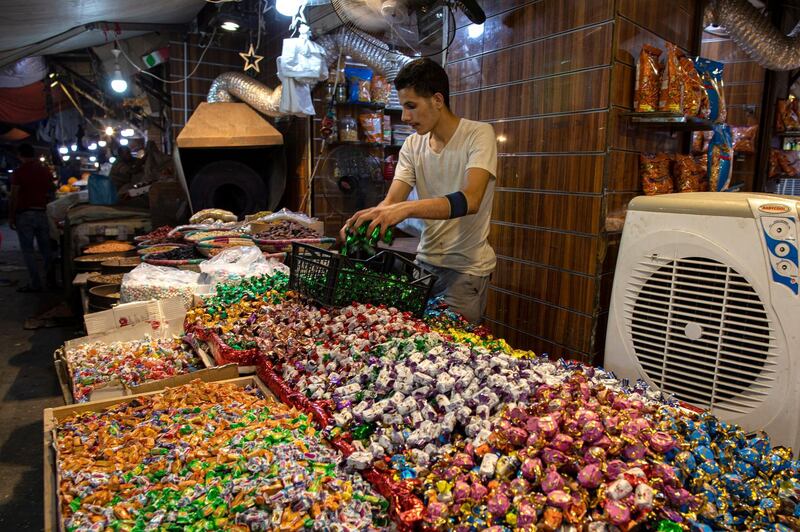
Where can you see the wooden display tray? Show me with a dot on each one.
(52, 518)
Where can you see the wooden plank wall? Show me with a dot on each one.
(744, 92)
(553, 79)
(223, 56)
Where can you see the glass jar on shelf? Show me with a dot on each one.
(348, 129)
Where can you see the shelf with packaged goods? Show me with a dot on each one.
(673, 121)
(369, 105)
(333, 143)
(789, 133)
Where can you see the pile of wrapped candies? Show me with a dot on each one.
(95, 364)
(206, 456)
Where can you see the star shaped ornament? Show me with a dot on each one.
(251, 60)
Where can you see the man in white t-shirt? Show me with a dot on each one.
(452, 162)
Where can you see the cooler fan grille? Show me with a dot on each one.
(701, 332)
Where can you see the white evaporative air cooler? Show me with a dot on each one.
(705, 306)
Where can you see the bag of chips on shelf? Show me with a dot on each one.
(700, 140)
(358, 83)
(702, 161)
(786, 117)
(780, 165)
(372, 126)
(695, 99)
(711, 74)
(654, 173)
(648, 80)
(720, 159)
(380, 89)
(688, 173)
(744, 139)
(671, 95)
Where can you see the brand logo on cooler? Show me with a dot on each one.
(774, 208)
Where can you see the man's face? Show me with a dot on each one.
(420, 112)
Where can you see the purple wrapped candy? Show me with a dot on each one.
(612, 424)
(526, 514)
(516, 436)
(547, 426)
(590, 476)
(594, 455)
(559, 499)
(436, 510)
(478, 491)
(555, 405)
(498, 503)
(677, 496)
(592, 431)
(666, 473)
(604, 442)
(661, 442)
(584, 415)
(552, 481)
(562, 443)
(634, 451)
(517, 415)
(533, 439)
(615, 468)
(463, 460)
(461, 491)
(619, 489)
(520, 486)
(618, 513)
(449, 473)
(532, 469)
(554, 457)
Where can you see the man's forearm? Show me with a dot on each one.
(427, 209)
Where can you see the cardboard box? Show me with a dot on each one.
(164, 314)
(116, 388)
(52, 517)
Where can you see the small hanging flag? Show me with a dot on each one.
(156, 57)
(251, 60)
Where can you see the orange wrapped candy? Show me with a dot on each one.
(671, 96)
(654, 173)
(648, 80)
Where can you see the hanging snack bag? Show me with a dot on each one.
(648, 80)
(786, 116)
(711, 74)
(359, 80)
(655, 175)
(695, 99)
(700, 140)
(671, 96)
(744, 139)
(371, 126)
(380, 89)
(720, 159)
(702, 162)
(688, 173)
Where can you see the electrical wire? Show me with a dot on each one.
(196, 66)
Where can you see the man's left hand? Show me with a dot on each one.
(384, 216)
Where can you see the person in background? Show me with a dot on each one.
(31, 190)
(126, 172)
(452, 163)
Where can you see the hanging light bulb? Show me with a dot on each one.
(74, 147)
(475, 30)
(41, 159)
(109, 130)
(287, 8)
(93, 146)
(92, 158)
(127, 132)
(65, 157)
(97, 165)
(63, 150)
(123, 142)
(112, 160)
(118, 83)
(102, 143)
(229, 25)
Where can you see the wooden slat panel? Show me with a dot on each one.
(568, 213)
(561, 94)
(630, 39)
(557, 55)
(467, 105)
(563, 289)
(623, 81)
(627, 136)
(568, 173)
(464, 75)
(567, 133)
(491, 9)
(617, 203)
(743, 72)
(722, 49)
(748, 93)
(744, 115)
(560, 326)
(560, 250)
(623, 171)
(674, 20)
(521, 340)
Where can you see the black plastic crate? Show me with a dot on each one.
(324, 276)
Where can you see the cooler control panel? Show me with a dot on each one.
(780, 235)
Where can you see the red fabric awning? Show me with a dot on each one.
(24, 105)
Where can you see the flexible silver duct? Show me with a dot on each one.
(755, 34)
(231, 86)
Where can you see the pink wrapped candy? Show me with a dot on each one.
(592, 431)
(590, 476)
(618, 513)
(461, 491)
(498, 503)
(552, 481)
(526, 514)
(559, 499)
(661, 442)
(532, 469)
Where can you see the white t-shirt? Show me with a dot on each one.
(460, 244)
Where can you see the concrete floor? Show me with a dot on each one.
(28, 384)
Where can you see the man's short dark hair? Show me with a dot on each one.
(426, 77)
(26, 150)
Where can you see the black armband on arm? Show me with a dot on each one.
(458, 204)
